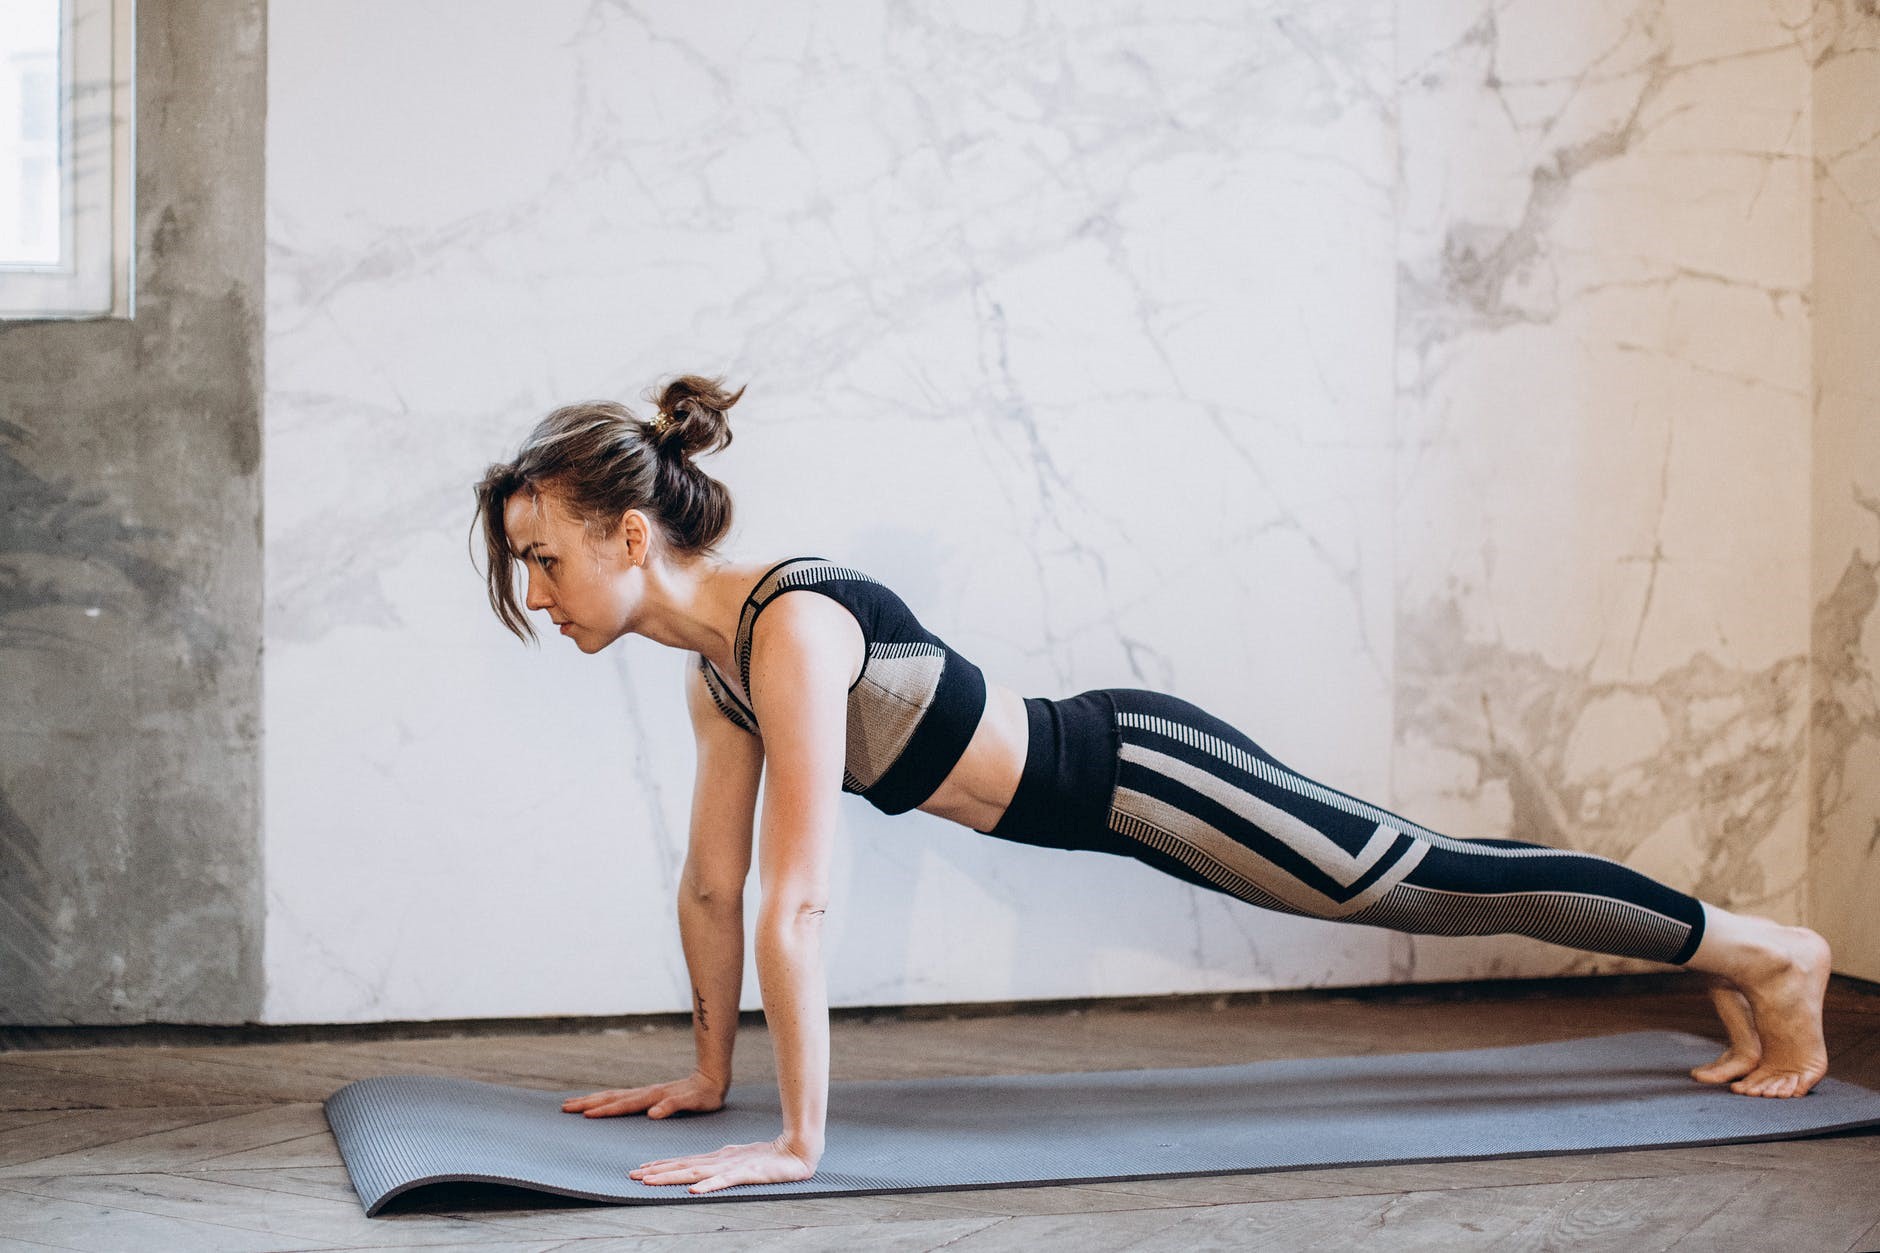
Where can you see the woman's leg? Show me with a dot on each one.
(1198, 798)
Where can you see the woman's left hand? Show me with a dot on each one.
(765, 1162)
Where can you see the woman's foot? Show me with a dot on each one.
(1745, 1048)
(1782, 975)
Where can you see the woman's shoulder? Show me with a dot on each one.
(810, 571)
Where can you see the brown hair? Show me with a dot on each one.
(598, 460)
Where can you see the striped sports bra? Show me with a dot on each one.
(911, 711)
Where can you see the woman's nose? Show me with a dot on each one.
(536, 600)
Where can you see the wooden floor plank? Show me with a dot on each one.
(9, 1119)
(1617, 1214)
(230, 1129)
(36, 1088)
(329, 1180)
(288, 1220)
(112, 1229)
(315, 1148)
(1331, 1223)
(79, 1130)
(158, 1077)
(1826, 1208)
(515, 1061)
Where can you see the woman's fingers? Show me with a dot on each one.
(673, 1172)
(712, 1183)
(608, 1099)
(661, 1164)
(687, 1169)
(684, 1174)
(608, 1096)
(677, 1163)
(730, 1166)
(659, 1100)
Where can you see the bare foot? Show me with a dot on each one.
(1785, 984)
(1745, 1046)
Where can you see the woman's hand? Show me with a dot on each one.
(696, 1092)
(771, 1161)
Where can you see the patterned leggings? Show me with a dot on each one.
(1146, 775)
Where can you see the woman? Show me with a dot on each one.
(618, 530)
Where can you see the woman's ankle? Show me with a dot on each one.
(1737, 946)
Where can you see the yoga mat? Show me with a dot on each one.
(399, 1132)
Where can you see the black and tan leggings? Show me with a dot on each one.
(1146, 775)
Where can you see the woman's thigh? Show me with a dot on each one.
(1194, 791)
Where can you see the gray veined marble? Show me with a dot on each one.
(1424, 389)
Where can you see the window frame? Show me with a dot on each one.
(95, 276)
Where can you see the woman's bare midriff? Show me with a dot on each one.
(985, 778)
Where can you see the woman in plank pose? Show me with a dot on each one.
(845, 691)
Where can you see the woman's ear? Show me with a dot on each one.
(635, 536)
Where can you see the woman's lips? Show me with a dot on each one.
(565, 626)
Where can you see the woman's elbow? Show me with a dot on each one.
(792, 918)
(711, 897)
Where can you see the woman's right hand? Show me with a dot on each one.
(695, 1093)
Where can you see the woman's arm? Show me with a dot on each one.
(711, 887)
(804, 675)
(802, 658)
(711, 913)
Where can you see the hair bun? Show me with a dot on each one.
(691, 412)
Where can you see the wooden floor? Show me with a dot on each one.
(227, 1147)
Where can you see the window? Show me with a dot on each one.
(66, 174)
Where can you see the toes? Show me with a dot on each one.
(1731, 1065)
(1773, 1083)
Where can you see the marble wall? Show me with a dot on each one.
(1603, 461)
(130, 580)
(1844, 853)
(1424, 389)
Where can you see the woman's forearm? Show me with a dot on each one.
(796, 1007)
(711, 931)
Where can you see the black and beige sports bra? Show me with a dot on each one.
(912, 710)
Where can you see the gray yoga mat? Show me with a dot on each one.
(399, 1132)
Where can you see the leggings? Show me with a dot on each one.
(1147, 775)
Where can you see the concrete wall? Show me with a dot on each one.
(1844, 854)
(130, 579)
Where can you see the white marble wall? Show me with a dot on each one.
(1423, 389)
(1845, 761)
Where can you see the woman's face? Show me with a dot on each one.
(588, 588)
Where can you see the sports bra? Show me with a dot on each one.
(911, 711)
